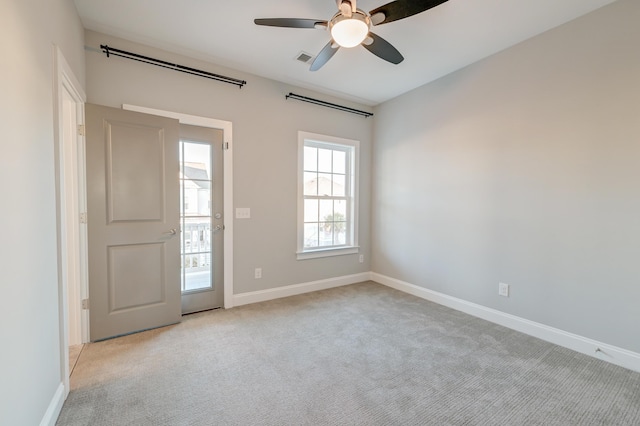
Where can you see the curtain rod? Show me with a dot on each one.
(328, 105)
(193, 71)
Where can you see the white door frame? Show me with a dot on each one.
(70, 204)
(227, 128)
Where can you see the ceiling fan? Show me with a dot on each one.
(350, 27)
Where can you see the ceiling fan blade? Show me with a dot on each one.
(323, 57)
(401, 9)
(383, 49)
(291, 22)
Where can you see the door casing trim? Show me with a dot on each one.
(227, 128)
(66, 82)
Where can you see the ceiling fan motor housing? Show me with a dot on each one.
(347, 7)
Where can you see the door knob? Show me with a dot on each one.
(172, 231)
(217, 228)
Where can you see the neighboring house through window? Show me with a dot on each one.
(327, 195)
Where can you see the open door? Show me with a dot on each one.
(133, 221)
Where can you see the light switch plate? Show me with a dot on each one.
(243, 213)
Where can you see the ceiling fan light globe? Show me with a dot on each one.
(349, 32)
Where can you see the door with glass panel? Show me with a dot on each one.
(201, 221)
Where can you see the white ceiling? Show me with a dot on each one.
(434, 43)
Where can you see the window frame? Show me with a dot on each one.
(351, 194)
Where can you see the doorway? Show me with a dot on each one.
(71, 205)
(131, 180)
(227, 194)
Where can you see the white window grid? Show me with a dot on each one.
(343, 233)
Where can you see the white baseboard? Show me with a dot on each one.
(55, 406)
(292, 290)
(603, 351)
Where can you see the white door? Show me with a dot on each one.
(201, 220)
(133, 221)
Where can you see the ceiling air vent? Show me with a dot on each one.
(304, 57)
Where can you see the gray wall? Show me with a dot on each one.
(30, 364)
(265, 130)
(523, 168)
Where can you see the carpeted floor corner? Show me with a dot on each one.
(362, 354)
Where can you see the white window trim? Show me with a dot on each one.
(353, 248)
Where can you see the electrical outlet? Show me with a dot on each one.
(503, 289)
(361, 258)
(258, 273)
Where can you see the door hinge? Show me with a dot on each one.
(83, 217)
(81, 129)
(85, 303)
(225, 146)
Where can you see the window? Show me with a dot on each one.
(327, 196)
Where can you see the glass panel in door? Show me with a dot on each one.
(195, 216)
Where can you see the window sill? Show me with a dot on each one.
(328, 252)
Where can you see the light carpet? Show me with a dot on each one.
(363, 354)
